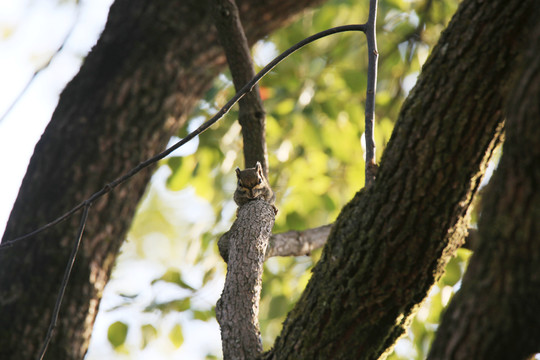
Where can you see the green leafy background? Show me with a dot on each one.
(169, 275)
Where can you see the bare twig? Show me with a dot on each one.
(373, 56)
(108, 187)
(67, 273)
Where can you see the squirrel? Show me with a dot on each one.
(252, 185)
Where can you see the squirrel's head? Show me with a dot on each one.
(251, 181)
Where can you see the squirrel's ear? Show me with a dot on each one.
(237, 171)
(259, 169)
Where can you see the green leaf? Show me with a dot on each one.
(175, 277)
(354, 79)
(149, 333)
(435, 308)
(295, 220)
(182, 172)
(453, 272)
(203, 315)
(176, 336)
(209, 275)
(285, 107)
(117, 333)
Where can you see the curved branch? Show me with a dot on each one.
(251, 116)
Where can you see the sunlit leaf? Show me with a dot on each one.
(149, 333)
(435, 308)
(453, 272)
(176, 335)
(285, 107)
(203, 315)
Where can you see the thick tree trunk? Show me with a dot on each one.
(153, 61)
(496, 314)
(392, 241)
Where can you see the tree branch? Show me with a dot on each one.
(252, 116)
(298, 243)
(373, 56)
(243, 248)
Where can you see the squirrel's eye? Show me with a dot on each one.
(259, 180)
(240, 183)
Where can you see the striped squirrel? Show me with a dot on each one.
(252, 184)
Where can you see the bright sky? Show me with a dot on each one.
(30, 33)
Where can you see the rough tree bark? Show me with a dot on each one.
(298, 243)
(243, 247)
(153, 61)
(392, 241)
(500, 296)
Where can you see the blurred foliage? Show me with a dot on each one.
(315, 121)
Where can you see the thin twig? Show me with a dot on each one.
(225, 109)
(373, 56)
(65, 280)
